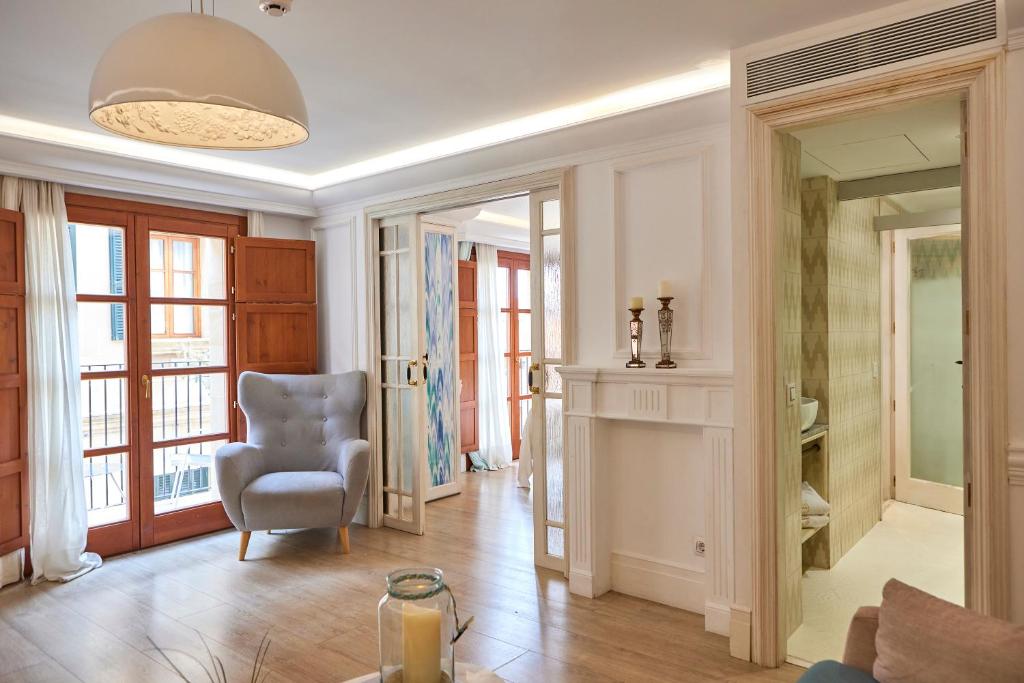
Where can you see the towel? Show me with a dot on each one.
(810, 502)
(813, 521)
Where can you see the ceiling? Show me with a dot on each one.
(384, 75)
(909, 138)
(501, 222)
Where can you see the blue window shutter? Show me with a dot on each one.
(115, 244)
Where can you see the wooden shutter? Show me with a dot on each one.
(469, 422)
(13, 386)
(275, 311)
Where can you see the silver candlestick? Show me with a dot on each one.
(636, 335)
(665, 332)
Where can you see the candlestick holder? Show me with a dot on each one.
(636, 335)
(665, 316)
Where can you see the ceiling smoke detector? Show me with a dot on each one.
(276, 8)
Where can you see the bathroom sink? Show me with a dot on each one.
(808, 412)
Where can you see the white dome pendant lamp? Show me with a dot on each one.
(195, 80)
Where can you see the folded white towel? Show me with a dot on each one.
(813, 521)
(810, 502)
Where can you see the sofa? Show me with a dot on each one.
(304, 463)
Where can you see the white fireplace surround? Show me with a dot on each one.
(697, 398)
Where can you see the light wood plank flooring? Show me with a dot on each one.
(319, 608)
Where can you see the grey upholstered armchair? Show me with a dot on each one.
(304, 465)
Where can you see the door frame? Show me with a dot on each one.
(561, 178)
(944, 497)
(979, 78)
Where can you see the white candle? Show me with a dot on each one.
(636, 302)
(421, 644)
(664, 289)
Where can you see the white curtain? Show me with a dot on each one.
(255, 224)
(492, 389)
(59, 523)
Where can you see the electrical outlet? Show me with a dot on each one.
(698, 546)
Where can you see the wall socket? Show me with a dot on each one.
(698, 546)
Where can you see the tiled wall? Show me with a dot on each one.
(786, 189)
(840, 352)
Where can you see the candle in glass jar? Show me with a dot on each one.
(636, 302)
(664, 289)
(421, 644)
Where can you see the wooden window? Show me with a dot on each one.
(514, 292)
(174, 271)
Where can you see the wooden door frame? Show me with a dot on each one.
(130, 214)
(562, 178)
(979, 78)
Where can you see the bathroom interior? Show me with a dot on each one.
(871, 434)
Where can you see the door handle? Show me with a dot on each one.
(408, 374)
(146, 384)
(959, 362)
(529, 378)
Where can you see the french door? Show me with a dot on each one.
(514, 298)
(156, 350)
(545, 384)
(928, 349)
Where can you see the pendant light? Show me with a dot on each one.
(196, 80)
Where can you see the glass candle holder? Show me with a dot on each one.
(636, 337)
(418, 624)
(665, 316)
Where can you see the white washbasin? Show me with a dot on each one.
(808, 412)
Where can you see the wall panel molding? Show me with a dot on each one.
(620, 169)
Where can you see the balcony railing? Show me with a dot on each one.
(183, 406)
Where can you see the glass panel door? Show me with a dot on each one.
(402, 368)
(929, 368)
(544, 380)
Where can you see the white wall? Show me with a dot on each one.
(672, 208)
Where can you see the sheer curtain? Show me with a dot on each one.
(59, 523)
(255, 224)
(492, 390)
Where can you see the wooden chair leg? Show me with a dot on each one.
(343, 537)
(243, 545)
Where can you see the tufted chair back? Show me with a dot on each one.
(300, 421)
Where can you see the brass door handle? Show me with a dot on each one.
(146, 384)
(529, 378)
(408, 374)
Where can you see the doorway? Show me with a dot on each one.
(978, 81)
(156, 349)
(531, 308)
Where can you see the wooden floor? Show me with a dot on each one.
(319, 608)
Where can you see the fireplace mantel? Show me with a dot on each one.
(693, 397)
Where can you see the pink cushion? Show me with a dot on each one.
(923, 639)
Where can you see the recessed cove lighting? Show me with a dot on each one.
(707, 78)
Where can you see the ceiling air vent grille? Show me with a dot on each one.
(965, 24)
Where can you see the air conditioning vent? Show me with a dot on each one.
(966, 24)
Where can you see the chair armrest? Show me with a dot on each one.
(354, 467)
(860, 650)
(237, 465)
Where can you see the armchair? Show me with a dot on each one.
(304, 464)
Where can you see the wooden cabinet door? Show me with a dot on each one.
(276, 338)
(14, 510)
(274, 271)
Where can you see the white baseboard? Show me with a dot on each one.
(717, 617)
(739, 633)
(581, 584)
(658, 580)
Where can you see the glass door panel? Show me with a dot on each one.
(402, 373)
(929, 340)
(546, 333)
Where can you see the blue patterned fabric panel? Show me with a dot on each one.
(440, 314)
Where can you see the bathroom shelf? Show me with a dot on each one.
(806, 534)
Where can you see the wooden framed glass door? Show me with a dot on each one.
(514, 297)
(156, 349)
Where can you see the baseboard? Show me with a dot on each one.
(717, 617)
(665, 582)
(581, 583)
(739, 633)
